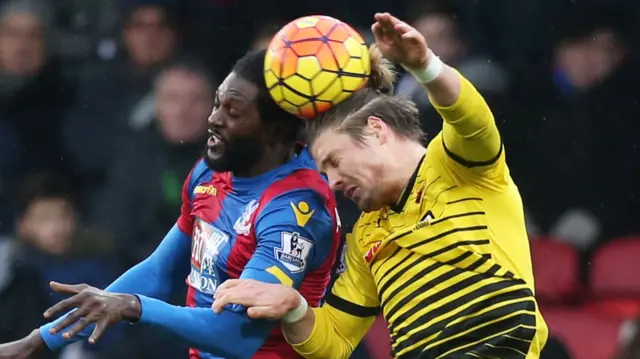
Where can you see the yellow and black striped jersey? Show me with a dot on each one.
(449, 265)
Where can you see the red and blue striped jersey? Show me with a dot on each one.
(279, 227)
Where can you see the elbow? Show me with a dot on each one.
(233, 335)
(333, 347)
(219, 344)
(325, 342)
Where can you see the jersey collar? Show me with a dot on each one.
(399, 206)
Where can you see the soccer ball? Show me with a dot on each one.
(314, 63)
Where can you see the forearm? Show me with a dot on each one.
(300, 331)
(315, 336)
(469, 131)
(444, 91)
(152, 277)
(155, 275)
(459, 103)
(228, 334)
(140, 276)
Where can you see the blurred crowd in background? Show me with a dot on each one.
(103, 108)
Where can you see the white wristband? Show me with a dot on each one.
(433, 70)
(298, 312)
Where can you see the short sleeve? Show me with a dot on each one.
(294, 234)
(354, 292)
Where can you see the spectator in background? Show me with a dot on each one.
(438, 23)
(33, 95)
(119, 100)
(50, 241)
(578, 137)
(140, 209)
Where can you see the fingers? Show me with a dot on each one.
(63, 306)
(235, 291)
(67, 288)
(69, 319)
(100, 328)
(389, 29)
(384, 19)
(231, 297)
(403, 28)
(80, 325)
(220, 296)
(377, 31)
(218, 303)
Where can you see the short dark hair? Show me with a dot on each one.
(41, 186)
(251, 68)
(350, 116)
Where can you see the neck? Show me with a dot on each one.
(407, 158)
(272, 157)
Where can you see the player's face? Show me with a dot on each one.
(352, 167)
(235, 127)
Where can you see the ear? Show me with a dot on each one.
(378, 129)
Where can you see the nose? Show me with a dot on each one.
(335, 181)
(215, 120)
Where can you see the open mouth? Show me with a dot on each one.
(214, 138)
(350, 191)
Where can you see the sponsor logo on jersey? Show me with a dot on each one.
(208, 190)
(207, 242)
(372, 251)
(294, 251)
(428, 218)
(243, 223)
(303, 212)
(202, 283)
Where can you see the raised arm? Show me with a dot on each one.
(470, 136)
(469, 132)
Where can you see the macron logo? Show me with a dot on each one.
(208, 190)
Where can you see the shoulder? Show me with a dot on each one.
(302, 206)
(494, 176)
(302, 201)
(299, 180)
(199, 170)
(199, 173)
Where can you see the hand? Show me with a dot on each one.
(263, 300)
(399, 42)
(23, 348)
(93, 306)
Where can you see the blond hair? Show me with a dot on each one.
(375, 99)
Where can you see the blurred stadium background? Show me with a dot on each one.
(96, 93)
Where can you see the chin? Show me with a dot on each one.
(364, 204)
(217, 162)
(369, 204)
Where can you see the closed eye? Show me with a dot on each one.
(216, 102)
